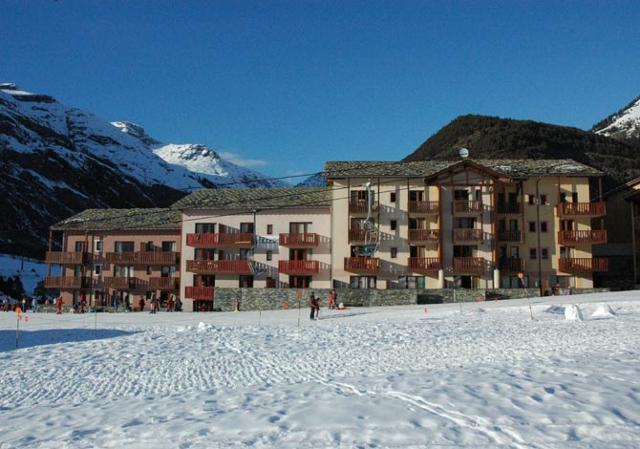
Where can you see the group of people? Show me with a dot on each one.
(314, 304)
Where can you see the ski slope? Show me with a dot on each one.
(478, 375)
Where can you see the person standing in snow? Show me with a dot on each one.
(332, 299)
(24, 304)
(154, 303)
(141, 303)
(314, 305)
(34, 304)
(59, 305)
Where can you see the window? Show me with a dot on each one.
(394, 253)
(392, 197)
(362, 282)
(97, 269)
(148, 269)
(98, 246)
(533, 253)
(79, 247)
(269, 229)
(393, 224)
(543, 226)
(269, 255)
(563, 197)
(532, 226)
(123, 247)
(543, 199)
(205, 228)
(271, 282)
(544, 253)
(246, 228)
(169, 246)
(532, 199)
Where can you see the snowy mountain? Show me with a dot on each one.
(624, 124)
(58, 160)
(317, 180)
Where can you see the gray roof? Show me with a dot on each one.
(261, 198)
(122, 219)
(514, 168)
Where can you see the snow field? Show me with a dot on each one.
(378, 377)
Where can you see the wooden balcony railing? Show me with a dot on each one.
(200, 293)
(582, 209)
(225, 239)
(583, 265)
(510, 235)
(510, 208)
(424, 235)
(424, 264)
(235, 266)
(299, 267)
(126, 283)
(467, 207)
(304, 240)
(164, 283)
(590, 236)
(511, 264)
(361, 264)
(360, 235)
(424, 207)
(468, 235)
(143, 258)
(67, 282)
(469, 265)
(361, 206)
(68, 258)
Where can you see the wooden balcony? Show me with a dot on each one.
(424, 207)
(143, 258)
(583, 265)
(360, 235)
(362, 264)
(299, 267)
(164, 283)
(589, 236)
(360, 207)
(67, 282)
(235, 266)
(509, 235)
(424, 235)
(237, 239)
(424, 264)
(511, 264)
(509, 208)
(126, 283)
(200, 293)
(469, 265)
(582, 209)
(68, 258)
(463, 235)
(465, 207)
(305, 240)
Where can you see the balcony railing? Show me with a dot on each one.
(361, 264)
(164, 283)
(469, 265)
(509, 208)
(510, 235)
(590, 236)
(143, 257)
(299, 267)
(235, 266)
(583, 265)
(200, 293)
(68, 258)
(424, 264)
(224, 239)
(67, 282)
(424, 235)
(511, 264)
(360, 235)
(126, 283)
(461, 235)
(361, 206)
(424, 207)
(467, 207)
(582, 209)
(304, 240)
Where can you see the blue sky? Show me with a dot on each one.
(289, 85)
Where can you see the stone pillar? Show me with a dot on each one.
(440, 279)
(496, 278)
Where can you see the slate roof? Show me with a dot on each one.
(259, 198)
(122, 219)
(514, 168)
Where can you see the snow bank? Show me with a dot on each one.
(572, 313)
(603, 311)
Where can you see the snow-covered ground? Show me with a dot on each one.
(30, 271)
(480, 375)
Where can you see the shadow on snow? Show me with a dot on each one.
(29, 339)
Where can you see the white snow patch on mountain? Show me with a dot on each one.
(624, 124)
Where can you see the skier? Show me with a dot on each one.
(34, 304)
(83, 302)
(59, 305)
(127, 303)
(178, 307)
(332, 299)
(314, 305)
(141, 303)
(24, 304)
(171, 303)
(154, 303)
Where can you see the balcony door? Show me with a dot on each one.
(205, 228)
(567, 252)
(567, 225)
(123, 247)
(461, 195)
(416, 196)
(361, 196)
(299, 228)
(299, 254)
(417, 223)
(299, 281)
(204, 280)
(169, 247)
(417, 251)
(464, 251)
(205, 254)
(79, 247)
(168, 271)
(124, 271)
(465, 222)
(246, 228)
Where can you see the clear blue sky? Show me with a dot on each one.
(296, 83)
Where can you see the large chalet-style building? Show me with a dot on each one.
(428, 224)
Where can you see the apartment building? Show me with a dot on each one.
(253, 238)
(465, 223)
(108, 255)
